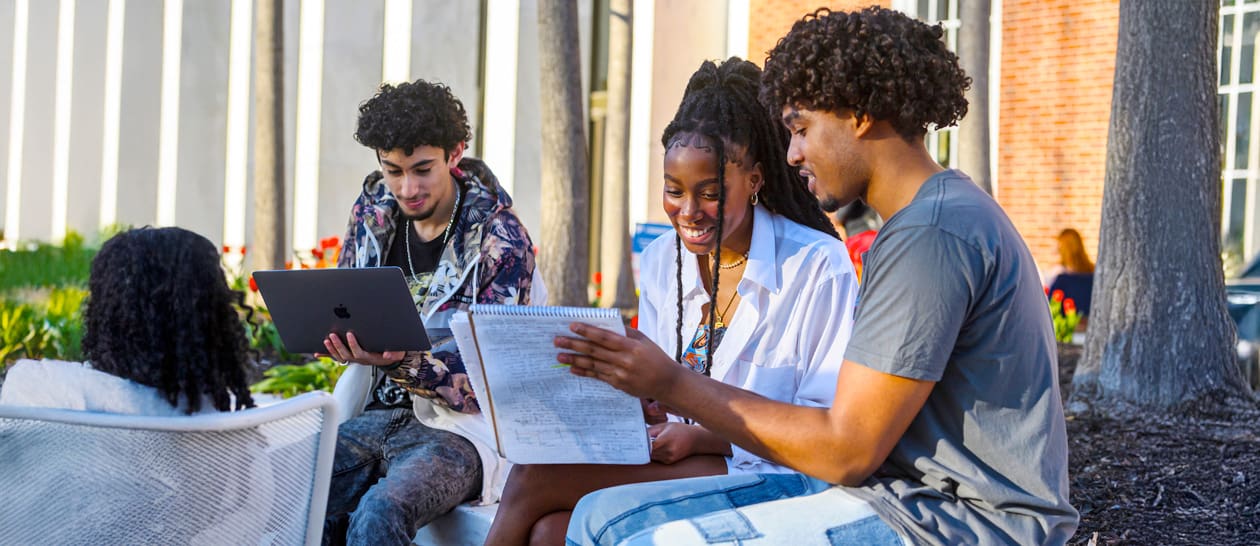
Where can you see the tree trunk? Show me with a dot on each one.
(1159, 335)
(565, 188)
(269, 237)
(973, 130)
(614, 255)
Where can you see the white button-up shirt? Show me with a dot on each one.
(787, 336)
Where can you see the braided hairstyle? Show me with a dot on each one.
(160, 313)
(720, 105)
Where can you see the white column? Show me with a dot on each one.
(236, 174)
(168, 124)
(995, 92)
(640, 145)
(737, 14)
(498, 134)
(396, 58)
(17, 124)
(112, 108)
(309, 102)
(61, 117)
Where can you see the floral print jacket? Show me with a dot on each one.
(488, 259)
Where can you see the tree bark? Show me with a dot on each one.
(614, 254)
(565, 185)
(1159, 335)
(269, 232)
(973, 55)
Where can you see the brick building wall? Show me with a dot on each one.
(1057, 67)
(769, 20)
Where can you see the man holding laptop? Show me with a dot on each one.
(416, 450)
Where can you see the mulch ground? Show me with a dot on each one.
(1161, 481)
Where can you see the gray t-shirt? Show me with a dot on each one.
(951, 294)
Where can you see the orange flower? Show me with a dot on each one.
(1057, 295)
(1069, 307)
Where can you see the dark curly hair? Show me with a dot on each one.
(877, 61)
(160, 313)
(409, 115)
(720, 105)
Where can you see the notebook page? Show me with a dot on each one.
(546, 415)
(462, 331)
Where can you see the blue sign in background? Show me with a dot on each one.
(645, 233)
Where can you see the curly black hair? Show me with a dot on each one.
(160, 313)
(720, 105)
(877, 61)
(412, 114)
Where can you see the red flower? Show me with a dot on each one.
(1069, 306)
(598, 277)
(288, 264)
(330, 242)
(1047, 289)
(227, 249)
(1057, 295)
(634, 322)
(242, 250)
(253, 285)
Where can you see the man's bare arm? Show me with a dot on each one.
(843, 444)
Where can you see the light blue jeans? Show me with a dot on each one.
(733, 509)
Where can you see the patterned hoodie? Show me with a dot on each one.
(489, 258)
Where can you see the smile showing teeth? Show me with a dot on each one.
(695, 233)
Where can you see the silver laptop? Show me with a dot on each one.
(373, 303)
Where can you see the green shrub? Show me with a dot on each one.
(46, 265)
(290, 380)
(52, 328)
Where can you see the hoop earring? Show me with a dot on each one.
(755, 198)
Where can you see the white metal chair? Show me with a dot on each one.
(258, 476)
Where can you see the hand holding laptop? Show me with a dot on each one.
(349, 351)
(348, 314)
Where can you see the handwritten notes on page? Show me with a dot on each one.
(541, 413)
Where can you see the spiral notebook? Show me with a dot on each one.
(539, 412)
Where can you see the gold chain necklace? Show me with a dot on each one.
(721, 317)
(445, 235)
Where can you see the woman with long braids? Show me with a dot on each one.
(721, 295)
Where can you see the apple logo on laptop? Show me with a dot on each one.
(341, 312)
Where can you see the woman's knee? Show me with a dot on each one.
(549, 530)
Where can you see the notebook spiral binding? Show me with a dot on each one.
(546, 311)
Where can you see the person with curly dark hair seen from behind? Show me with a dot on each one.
(947, 425)
(721, 293)
(162, 334)
(418, 449)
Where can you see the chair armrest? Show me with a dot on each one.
(352, 390)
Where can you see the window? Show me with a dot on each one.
(941, 143)
(1240, 134)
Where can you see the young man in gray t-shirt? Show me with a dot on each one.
(947, 425)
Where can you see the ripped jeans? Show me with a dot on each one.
(392, 475)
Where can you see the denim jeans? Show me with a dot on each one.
(392, 475)
(732, 509)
